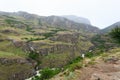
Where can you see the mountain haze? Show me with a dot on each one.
(77, 19)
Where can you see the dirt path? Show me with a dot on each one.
(108, 69)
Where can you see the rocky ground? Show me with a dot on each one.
(106, 67)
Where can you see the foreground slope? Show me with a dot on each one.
(103, 67)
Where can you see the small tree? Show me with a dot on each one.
(115, 34)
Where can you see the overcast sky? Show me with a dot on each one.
(101, 13)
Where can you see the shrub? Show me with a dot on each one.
(76, 60)
(28, 29)
(89, 54)
(46, 74)
(47, 35)
(75, 66)
(115, 34)
(36, 78)
(33, 55)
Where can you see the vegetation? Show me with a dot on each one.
(33, 55)
(53, 32)
(115, 34)
(33, 39)
(28, 29)
(46, 74)
(76, 60)
(75, 66)
(56, 47)
(12, 22)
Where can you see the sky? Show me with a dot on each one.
(101, 13)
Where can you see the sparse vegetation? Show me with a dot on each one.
(32, 39)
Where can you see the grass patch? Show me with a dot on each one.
(74, 66)
(7, 55)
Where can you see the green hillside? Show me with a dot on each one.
(29, 42)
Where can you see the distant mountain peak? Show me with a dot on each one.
(77, 19)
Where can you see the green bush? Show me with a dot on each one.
(89, 54)
(75, 66)
(33, 55)
(46, 74)
(28, 29)
(36, 78)
(115, 34)
(47, 35)
(76, 60)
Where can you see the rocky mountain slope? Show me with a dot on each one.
(52, 21)
(29, 42)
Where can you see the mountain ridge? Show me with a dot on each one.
(53, 21)
(77, 19)
(109, 28)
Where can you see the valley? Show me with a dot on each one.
(29, 43)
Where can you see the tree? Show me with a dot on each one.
(115, 34)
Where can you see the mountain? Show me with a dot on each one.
(61, 22)
(109, 28)
(51, 21)
(77, 19)
(29, 42)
